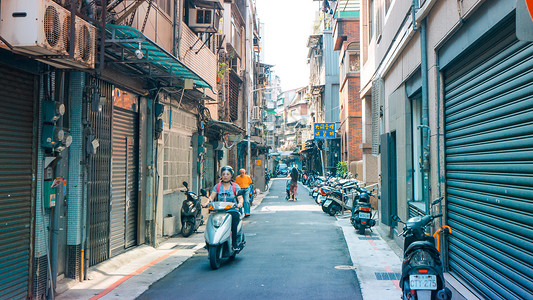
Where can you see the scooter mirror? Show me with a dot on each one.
(396, 218)
(436, 201)
(185, 184)
(203, 192)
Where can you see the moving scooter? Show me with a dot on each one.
(218, 232)
(362, 218)
(422, 272)
(191, 212)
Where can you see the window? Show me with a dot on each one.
(370, 19)
(164, 5)
(204, 16)
(353, 62)
(387, 5)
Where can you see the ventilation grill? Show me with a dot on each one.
(84, 43)
(52, 26)
(377, 98)
(39, 280)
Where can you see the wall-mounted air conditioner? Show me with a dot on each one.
(256, 113)
(42, 27)
(204, 19)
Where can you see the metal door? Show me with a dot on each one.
(488, 107)
(124, 182)
(98, 185)
(17, 95)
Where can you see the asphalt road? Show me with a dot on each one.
(293, 251)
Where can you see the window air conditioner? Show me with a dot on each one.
(42, 27)
(256, 113)
(204, 19)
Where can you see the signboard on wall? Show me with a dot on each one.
(324, 131)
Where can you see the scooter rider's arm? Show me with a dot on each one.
(240, 201)
(210, 199)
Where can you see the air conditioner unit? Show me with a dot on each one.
(204, 19)
(256, 113)
(42, 27)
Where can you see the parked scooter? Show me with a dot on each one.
(422, 272)
(191, 212)
(218, 232)
(362, 218)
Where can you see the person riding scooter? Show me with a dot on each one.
(228, 191)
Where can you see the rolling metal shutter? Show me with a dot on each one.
(124, 181)
(98, 186)
(489, 166)
(16, 197)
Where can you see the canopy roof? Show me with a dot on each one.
(155, 61)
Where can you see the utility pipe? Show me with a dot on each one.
(175, 29)
(425, 114)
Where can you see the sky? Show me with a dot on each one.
(287, 26)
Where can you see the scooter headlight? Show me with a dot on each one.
(218, 219)
(421, 258)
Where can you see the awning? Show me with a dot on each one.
(208, 4)
(122, 42)
(225, 127)
(306, 150)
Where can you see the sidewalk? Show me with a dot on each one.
(128, 275)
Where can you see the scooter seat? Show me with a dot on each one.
(426, 245)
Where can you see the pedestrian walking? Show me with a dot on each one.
(294, 183)
(244, 181)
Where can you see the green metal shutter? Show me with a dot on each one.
(124, 181)
(16, 163)
(489, 166)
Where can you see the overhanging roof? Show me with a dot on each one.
(156, 63)
(208, 4)
(225, 127)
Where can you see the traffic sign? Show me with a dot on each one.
(324, 131)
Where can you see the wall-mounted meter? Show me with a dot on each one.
(51, 136)
(49, 194)
(52, 111)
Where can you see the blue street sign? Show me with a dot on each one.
(324, 131)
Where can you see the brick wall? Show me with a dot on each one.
(347, 31)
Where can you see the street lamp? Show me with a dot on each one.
(248, 127)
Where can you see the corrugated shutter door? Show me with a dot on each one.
(489, 167)
(16, 154)
(124, 181)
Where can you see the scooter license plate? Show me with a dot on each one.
(364, 215)
(315, 194)
(423, 282)
(327, 203)
(321, 198)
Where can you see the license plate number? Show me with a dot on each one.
(423, 282)
(315, 194)
(327, 203)
(364, 215)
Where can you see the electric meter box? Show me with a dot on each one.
(49, 195)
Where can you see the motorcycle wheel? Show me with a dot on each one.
(352, 220)
(334, 208)
(215, 256)
(187, 229)
(324, 209)
(361, 230)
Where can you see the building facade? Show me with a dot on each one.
(104, 133)
(451, 111)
